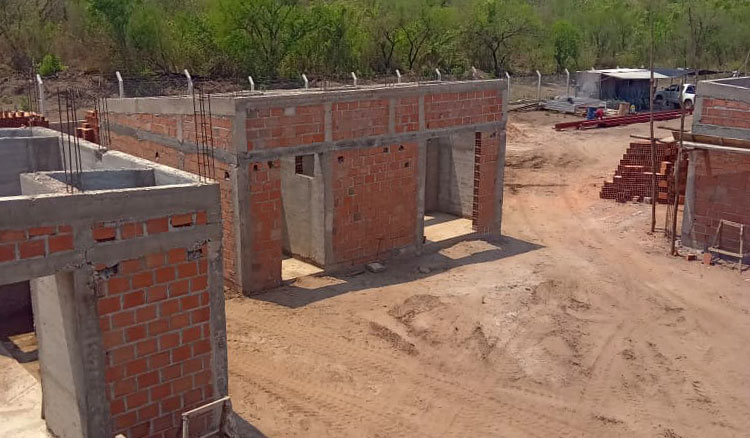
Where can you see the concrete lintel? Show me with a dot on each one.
(221, 105)
(279, 98)
(385, 140)
(24, 270)
(721, 131)
(102, 206)
(183, 146)
(116, 251)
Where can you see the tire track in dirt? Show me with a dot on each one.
(512, 410)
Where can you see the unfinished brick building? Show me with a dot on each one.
(124, 269)
(718, 179)
(333, 177)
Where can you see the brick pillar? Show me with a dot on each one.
(484, 211)
(265, 226)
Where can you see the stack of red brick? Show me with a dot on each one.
(89, 130)
(633, 177)
(18, 119)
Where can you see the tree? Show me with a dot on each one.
(262, 30)
(567, 43)
(496, 25)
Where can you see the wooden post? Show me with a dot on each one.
(651, 122)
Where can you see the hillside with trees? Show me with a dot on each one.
(276, 39)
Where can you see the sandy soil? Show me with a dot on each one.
(575, 323)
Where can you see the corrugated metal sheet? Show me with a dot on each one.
(635, 75)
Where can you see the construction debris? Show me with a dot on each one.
(375, 267)
(608, 122)
(571, 105)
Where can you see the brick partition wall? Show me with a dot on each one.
(722, 182)
(148, 306)
(718, 178)
(373, 201)
(259, 129)
(154, 312)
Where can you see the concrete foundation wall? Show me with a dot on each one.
(303, 210)
(25, 154)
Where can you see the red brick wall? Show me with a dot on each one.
(167, 125)
(358, 119)
(485, 173)
(266, 219)
(722, 112)
(281, 127)
(374, 194)
(20, 244)
(466, 108)
(722, 185)
(154, 315)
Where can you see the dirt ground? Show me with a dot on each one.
(575, 323)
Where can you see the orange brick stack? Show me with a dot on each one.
(18, 119)
(89, 130)
(633, 177)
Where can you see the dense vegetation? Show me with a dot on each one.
(280, 38)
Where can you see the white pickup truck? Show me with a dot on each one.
(671, 96)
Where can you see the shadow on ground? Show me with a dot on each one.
(402, 269)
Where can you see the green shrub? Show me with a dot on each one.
(50, 65)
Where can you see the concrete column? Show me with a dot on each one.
(326, 168)
(318, 213)
(689, 208)
(241, 200)
(421, 181)
(500, 173)
(70, 354)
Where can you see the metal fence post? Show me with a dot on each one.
(120, 84)
(507, 76)
(40, 84)
(190, 82)
(539, 86)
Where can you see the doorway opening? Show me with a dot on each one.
(449, 187)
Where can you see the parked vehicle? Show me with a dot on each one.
(671, 96)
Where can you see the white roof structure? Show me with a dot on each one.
(628, 73)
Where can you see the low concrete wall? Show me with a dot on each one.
(25, 154)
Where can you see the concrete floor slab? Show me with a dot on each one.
(20, 401)
(292, 268)
(443, 226)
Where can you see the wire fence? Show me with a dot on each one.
(30, 96)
